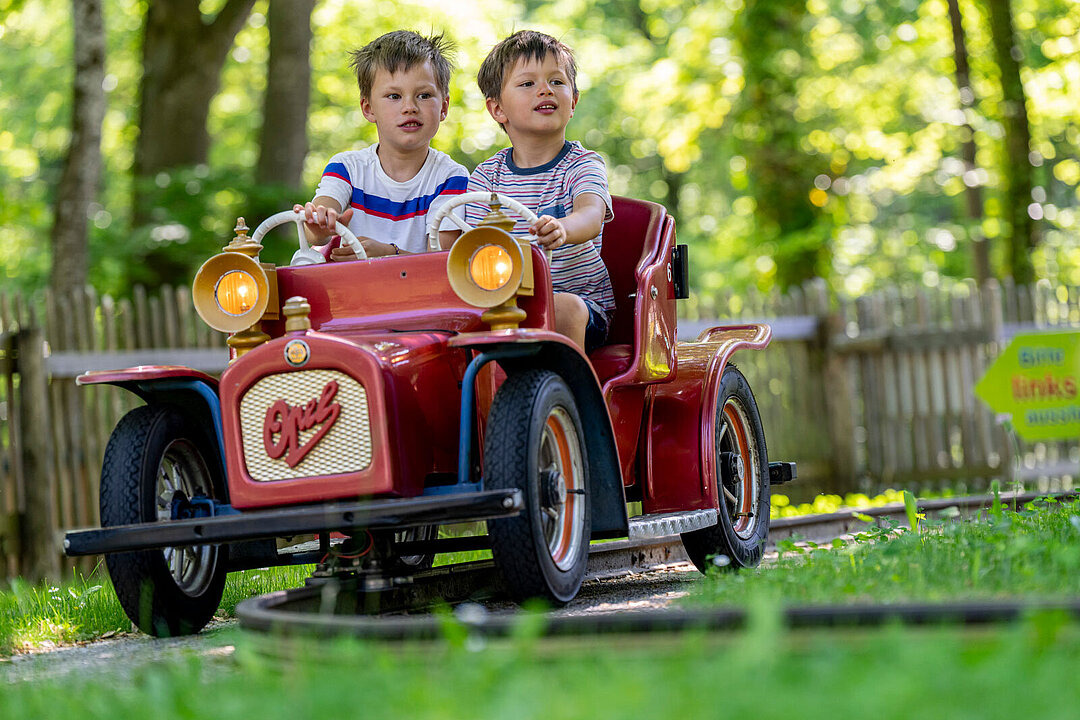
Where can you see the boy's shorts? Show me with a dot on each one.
(596, 329)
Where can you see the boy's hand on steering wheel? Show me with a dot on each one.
(374, 248)
(549, 232)
(322, 220)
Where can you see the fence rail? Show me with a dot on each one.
(863, 393)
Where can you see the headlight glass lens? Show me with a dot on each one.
(236, 292)
(490, 267)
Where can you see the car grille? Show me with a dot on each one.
(346, 445)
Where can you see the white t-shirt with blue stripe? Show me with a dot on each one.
(385, 209)
(550, 189)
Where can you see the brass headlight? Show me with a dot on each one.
(490, 267)
(484, 266)
(230, 292)
(236, 292)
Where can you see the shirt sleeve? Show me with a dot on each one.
(452, 186)
(588, 174)
(336, 182)
(479, 181)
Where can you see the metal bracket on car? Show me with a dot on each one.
(782, 472)
(468, 400)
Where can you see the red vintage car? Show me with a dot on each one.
(381, 399)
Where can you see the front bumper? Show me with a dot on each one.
(284, 522)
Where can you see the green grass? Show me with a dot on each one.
(1034, 552)
(86, 607)
(35, 616)
(1027, 670)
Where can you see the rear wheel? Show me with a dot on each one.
(535, 443)
(155, 458)
(742, 482)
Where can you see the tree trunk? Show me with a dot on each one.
(183, 55)
(979, 246)
(81, 176)
(283, 139)
(781, 174)
(1017, 170)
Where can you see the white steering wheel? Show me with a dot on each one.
(306, 255)
(484, 198)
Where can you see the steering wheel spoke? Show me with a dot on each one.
(479, 198)
(306, 255)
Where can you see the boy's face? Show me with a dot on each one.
(406, 107)
(537, 98)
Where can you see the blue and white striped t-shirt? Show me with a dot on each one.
(550, 189)
(385, 209)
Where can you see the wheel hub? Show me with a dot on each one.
(732, 469)
(552, 489)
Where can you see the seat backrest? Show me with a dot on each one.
(631, 241)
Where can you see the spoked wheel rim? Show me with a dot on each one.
(737, 448)
(182, 473)
(562, 489)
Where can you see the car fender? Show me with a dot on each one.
(679, 458)
(560, 355)
(194, 392)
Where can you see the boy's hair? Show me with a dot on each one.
(401, 50)
(527, 44)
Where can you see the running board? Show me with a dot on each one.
(673, 523)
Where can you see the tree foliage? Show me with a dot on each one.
(831, 142)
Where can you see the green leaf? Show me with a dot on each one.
(911, 509)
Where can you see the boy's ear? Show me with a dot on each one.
(495, 110)
(365, 107)
(573, 104)
(445, 107)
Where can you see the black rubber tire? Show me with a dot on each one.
(145, 587)
(742, 549)
(512, 450)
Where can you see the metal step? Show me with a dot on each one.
(673, 523)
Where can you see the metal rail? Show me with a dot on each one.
(350, 607)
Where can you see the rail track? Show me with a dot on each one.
(379, 609)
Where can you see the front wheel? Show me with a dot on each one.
(742, 481)
(535, 443)
(156, 457)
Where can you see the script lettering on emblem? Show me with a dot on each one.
(286, 422)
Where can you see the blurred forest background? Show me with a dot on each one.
(910, 141)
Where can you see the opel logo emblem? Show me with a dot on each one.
(297, 353)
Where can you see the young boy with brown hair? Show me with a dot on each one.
(529, 81)
(384, 192)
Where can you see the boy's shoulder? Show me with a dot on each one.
(444, 165)
(354, 159)
(576, 152)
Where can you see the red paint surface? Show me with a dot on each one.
(413, 400)
(143, 373)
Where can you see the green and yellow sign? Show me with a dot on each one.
(1037, 381)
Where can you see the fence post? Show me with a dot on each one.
(38, 522)
(837, 389)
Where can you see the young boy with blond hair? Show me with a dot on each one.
(384, 192)
(529, 82)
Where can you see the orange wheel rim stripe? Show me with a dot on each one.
(567, 470)
(743, 447)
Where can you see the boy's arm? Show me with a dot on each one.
(447, 238)
(581, 225)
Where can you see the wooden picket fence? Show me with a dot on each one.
(863, 393)
(53, 437)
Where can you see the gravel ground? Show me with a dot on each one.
(121, 655)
